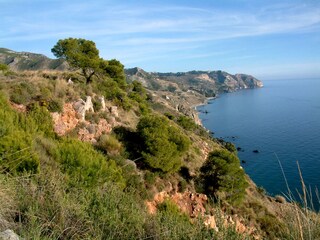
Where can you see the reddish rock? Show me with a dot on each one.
(66, 121)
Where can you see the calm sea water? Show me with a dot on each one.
(282, 118)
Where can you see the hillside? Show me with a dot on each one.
(30, 61)
(111, 159)
(207, 83)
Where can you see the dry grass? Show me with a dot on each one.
(302, 219)
(7, 202)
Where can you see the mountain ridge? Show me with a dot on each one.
(207, 83)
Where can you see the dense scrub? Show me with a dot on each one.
(221, 175)
(62, 188)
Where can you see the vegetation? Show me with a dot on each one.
(79, 53)
(163, 145)
(221, 175)
(58, 187)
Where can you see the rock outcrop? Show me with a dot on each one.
(82, 107)
(65, 121)
(195, 205)
(9, 235)
(73, 117)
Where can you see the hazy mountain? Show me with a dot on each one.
(208, 83)
(30, 61)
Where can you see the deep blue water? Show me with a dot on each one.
(283, 117)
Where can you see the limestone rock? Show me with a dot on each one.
(103, 103)
(9, 235)
(82, 107)
(114, 111)
(210, 222)
(65, 121)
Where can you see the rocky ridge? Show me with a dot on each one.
(30, 61)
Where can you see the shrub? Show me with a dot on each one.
(4, 67)
(109, 144)
(55, 105)
(85, 166)
(16, 153)
(38, 120)
(187, 123)
(16, 145)
(22, 93)
(162, 144)
(150, 178)
(221, 173)
(92, 117)
(96, 104)
(230, 147)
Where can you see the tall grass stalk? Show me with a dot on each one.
(306, 223)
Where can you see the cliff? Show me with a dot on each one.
(207, 83)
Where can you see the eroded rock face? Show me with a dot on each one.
(189, 112)
(74, 114)
(195, 205)
(91, 132)
(66, 121)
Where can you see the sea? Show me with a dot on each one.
(277, 131)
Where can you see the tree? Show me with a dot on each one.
(221, 173)
(79, 53)
(115, 70)
(162, 144)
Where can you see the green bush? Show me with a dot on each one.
(85, 166)
(162, 144)
(109, 144)
(96, 104)
(4, 67)
(22, 93)
(187, 123)
(16, 145)
(16, 153)
(221, 173)
(116, 214)
(55, 105)
(38, 120)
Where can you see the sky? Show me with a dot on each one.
(265, 38)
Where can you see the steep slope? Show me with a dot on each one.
(30, 61)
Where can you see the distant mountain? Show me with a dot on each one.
(30, 61)
(208, 83)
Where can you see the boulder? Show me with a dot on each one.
(82, 107)
(114, 111)
(103, 103)
(9, 235)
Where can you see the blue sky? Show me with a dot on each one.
(268, 39)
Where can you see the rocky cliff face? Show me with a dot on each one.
(183, 90)
(207, 83)
(30, 61)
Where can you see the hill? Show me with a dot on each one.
(30, 61)
(207, 83)
(114, 160)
